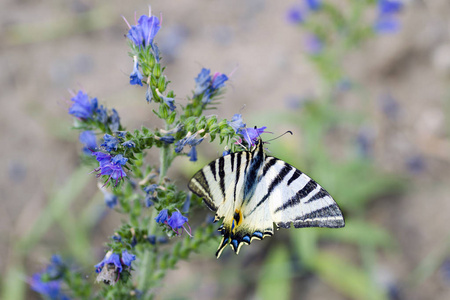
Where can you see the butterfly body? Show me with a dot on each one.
(251, 191)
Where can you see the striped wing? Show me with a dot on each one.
(292, 197)
(251, 192)
(221, 182)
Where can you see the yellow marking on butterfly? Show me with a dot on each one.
(237, 220)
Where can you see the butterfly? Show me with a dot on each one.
(251, 191)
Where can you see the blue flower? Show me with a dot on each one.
(218, 81)
(114, 121)
(136, 76)
(110, 258)
(149, 200)
(49, 289)
(110, 143)
(226, 152)
(389, 6)
(236, 122)
(167, 100)
(188, 140)
(314, 44)
(129, 144)
(177, 221)
(386, 22)
(110, 200)
(163, 216)
(56, 268)
(313, 4)
(102, 114)
(143, 33)
(186, 204)
(152, 239)
(202, 81)
(295, 15)
(82, 107)
(252, 134)
(127, 258)
(149, 94)
(207, 85)
(168, 139)
(150, 188)
(193, 154)
(111, 166)
(89, 140)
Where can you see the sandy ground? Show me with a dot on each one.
(45, 52)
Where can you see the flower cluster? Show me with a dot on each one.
(386, 21)
(207, 86)
(250, 135)
(110, 166)
(175, 221)
(49, 282)
(112, 265)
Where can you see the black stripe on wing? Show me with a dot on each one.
(199, 185)
(275, 182)
(296, 199)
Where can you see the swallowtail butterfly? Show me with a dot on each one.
(251, 191)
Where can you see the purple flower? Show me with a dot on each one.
(136, 76)
(177, 220)
(295, 15)
(188, 140)
(110, 143)
(168, 139)
(186, 204)
(314, 44)
(127, 258)
(386, 22)
(207, 85)
(109, 259)
(149, 200)
(111, 166)
(193, 154)
(389, 6)
(218, 80)
(143, 33)
(163, 216)
(129, 144)
(150, 188)
(49, 289)
(313, 4)
(236, 122)
(102, 114)
(110, 200)
(114, 121)
(89, 140)
(202, 81)
(252, 134)
(82, 107)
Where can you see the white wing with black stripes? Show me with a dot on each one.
(252, 191)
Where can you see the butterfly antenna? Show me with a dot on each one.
(290, 132)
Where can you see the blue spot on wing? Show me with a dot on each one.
(258, 234)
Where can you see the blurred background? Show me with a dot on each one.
(379, 142)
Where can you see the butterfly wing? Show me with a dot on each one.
(285, 196)
(252, 191)
(220, 183)
(294, 198)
